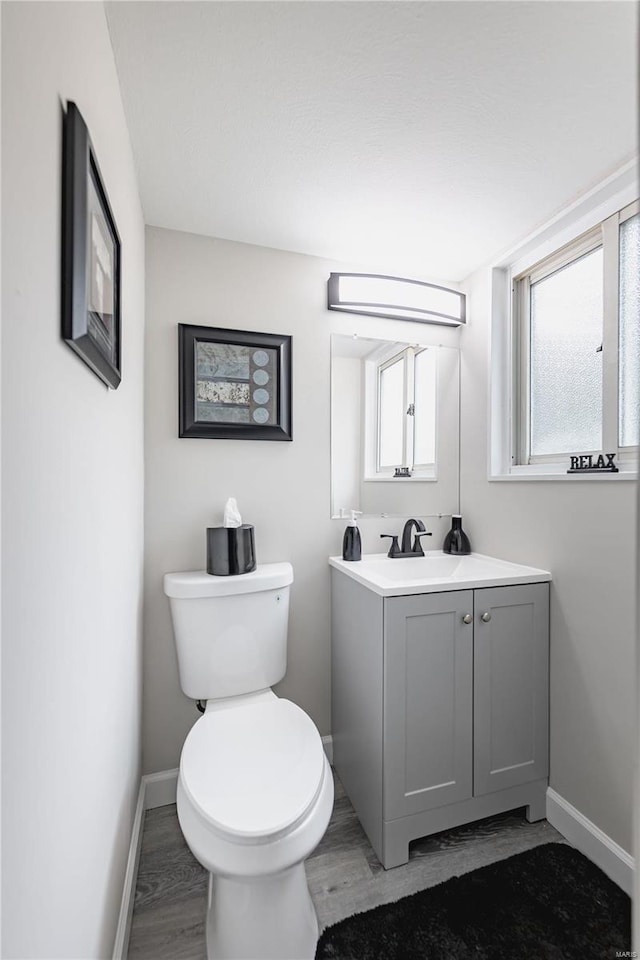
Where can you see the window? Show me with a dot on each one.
(391, 414)
(405, 413)
(577, 347)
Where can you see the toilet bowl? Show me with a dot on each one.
(255, 790)
(255, 794)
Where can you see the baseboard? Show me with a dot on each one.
(591, 841)
(121, 944)
(327, 743)
(160, 788)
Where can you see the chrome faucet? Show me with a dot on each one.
(406, 550)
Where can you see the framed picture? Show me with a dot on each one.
(90, 256)
(234, 384)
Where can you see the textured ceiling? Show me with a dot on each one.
(416, 137)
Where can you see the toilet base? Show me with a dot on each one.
(261, 918)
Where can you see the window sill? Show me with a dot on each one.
(528, 474)
(412, 479)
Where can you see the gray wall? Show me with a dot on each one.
(585, 534)
(636, 819)
(72, 510)
(282, 488)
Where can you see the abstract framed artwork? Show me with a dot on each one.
(234, 384)
(90, 256)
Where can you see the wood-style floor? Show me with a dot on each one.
(344, 874)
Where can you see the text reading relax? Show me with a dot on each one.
(604, 461)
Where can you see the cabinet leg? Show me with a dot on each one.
(399, 860)
(395, 850)
(537, 809)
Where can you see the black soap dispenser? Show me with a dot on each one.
(351, 543)
(456, 541)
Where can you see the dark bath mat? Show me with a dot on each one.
(549, 903)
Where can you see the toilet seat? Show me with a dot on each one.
(253, 772)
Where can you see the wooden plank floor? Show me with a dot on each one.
(344, 873)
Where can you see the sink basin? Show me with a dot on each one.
(435, 572)
(431, 566)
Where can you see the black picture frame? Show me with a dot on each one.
(91, 256)
(218, 387)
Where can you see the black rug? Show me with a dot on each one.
(549, 903)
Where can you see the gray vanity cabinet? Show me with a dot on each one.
(428, 677)
(440, 707)
(511, 686)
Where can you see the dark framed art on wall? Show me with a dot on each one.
(234, 384)
(90, 256)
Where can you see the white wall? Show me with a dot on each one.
(282, 488)
(635, 920)
(346, 434)
(72, 491)
(584, 533)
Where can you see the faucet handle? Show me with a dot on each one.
(394, 549)
(417, 546)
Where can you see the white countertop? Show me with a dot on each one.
(436, 572)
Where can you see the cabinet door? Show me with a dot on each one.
(511, 686)
(428, 677)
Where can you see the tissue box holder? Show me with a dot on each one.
(230, 550)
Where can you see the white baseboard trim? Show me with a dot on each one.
(121, 944)
(327, 743)
(591, 841)
(160, 788)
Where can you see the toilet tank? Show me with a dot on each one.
(230, 632)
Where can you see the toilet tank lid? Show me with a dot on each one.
(199, 583)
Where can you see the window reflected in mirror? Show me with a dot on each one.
(394, 427)
(400, 412)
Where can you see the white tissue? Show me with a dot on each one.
(232, 516)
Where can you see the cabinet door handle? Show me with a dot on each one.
(486, 617)
(467, 618)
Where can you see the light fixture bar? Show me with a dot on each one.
(396, 298)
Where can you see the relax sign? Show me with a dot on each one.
(588, 463)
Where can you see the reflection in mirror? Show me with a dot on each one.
(395, 415)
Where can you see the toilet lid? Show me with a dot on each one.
(253, 771)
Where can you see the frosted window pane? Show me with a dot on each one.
(566, 370)
(425, 408)
(391, 414)
(630, 332)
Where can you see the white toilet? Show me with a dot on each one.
(255, 790)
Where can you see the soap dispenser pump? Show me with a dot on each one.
(351, 542)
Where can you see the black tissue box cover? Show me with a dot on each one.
(230, 550)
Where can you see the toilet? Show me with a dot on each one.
(255, 790)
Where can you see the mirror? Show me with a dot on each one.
(395, 428)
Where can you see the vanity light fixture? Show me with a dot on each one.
(396, 298)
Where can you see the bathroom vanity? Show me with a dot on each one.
(440, 680)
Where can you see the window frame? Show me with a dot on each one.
(374, 366)
(399, 357)
(604, 234)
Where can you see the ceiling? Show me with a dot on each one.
(420, 138)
